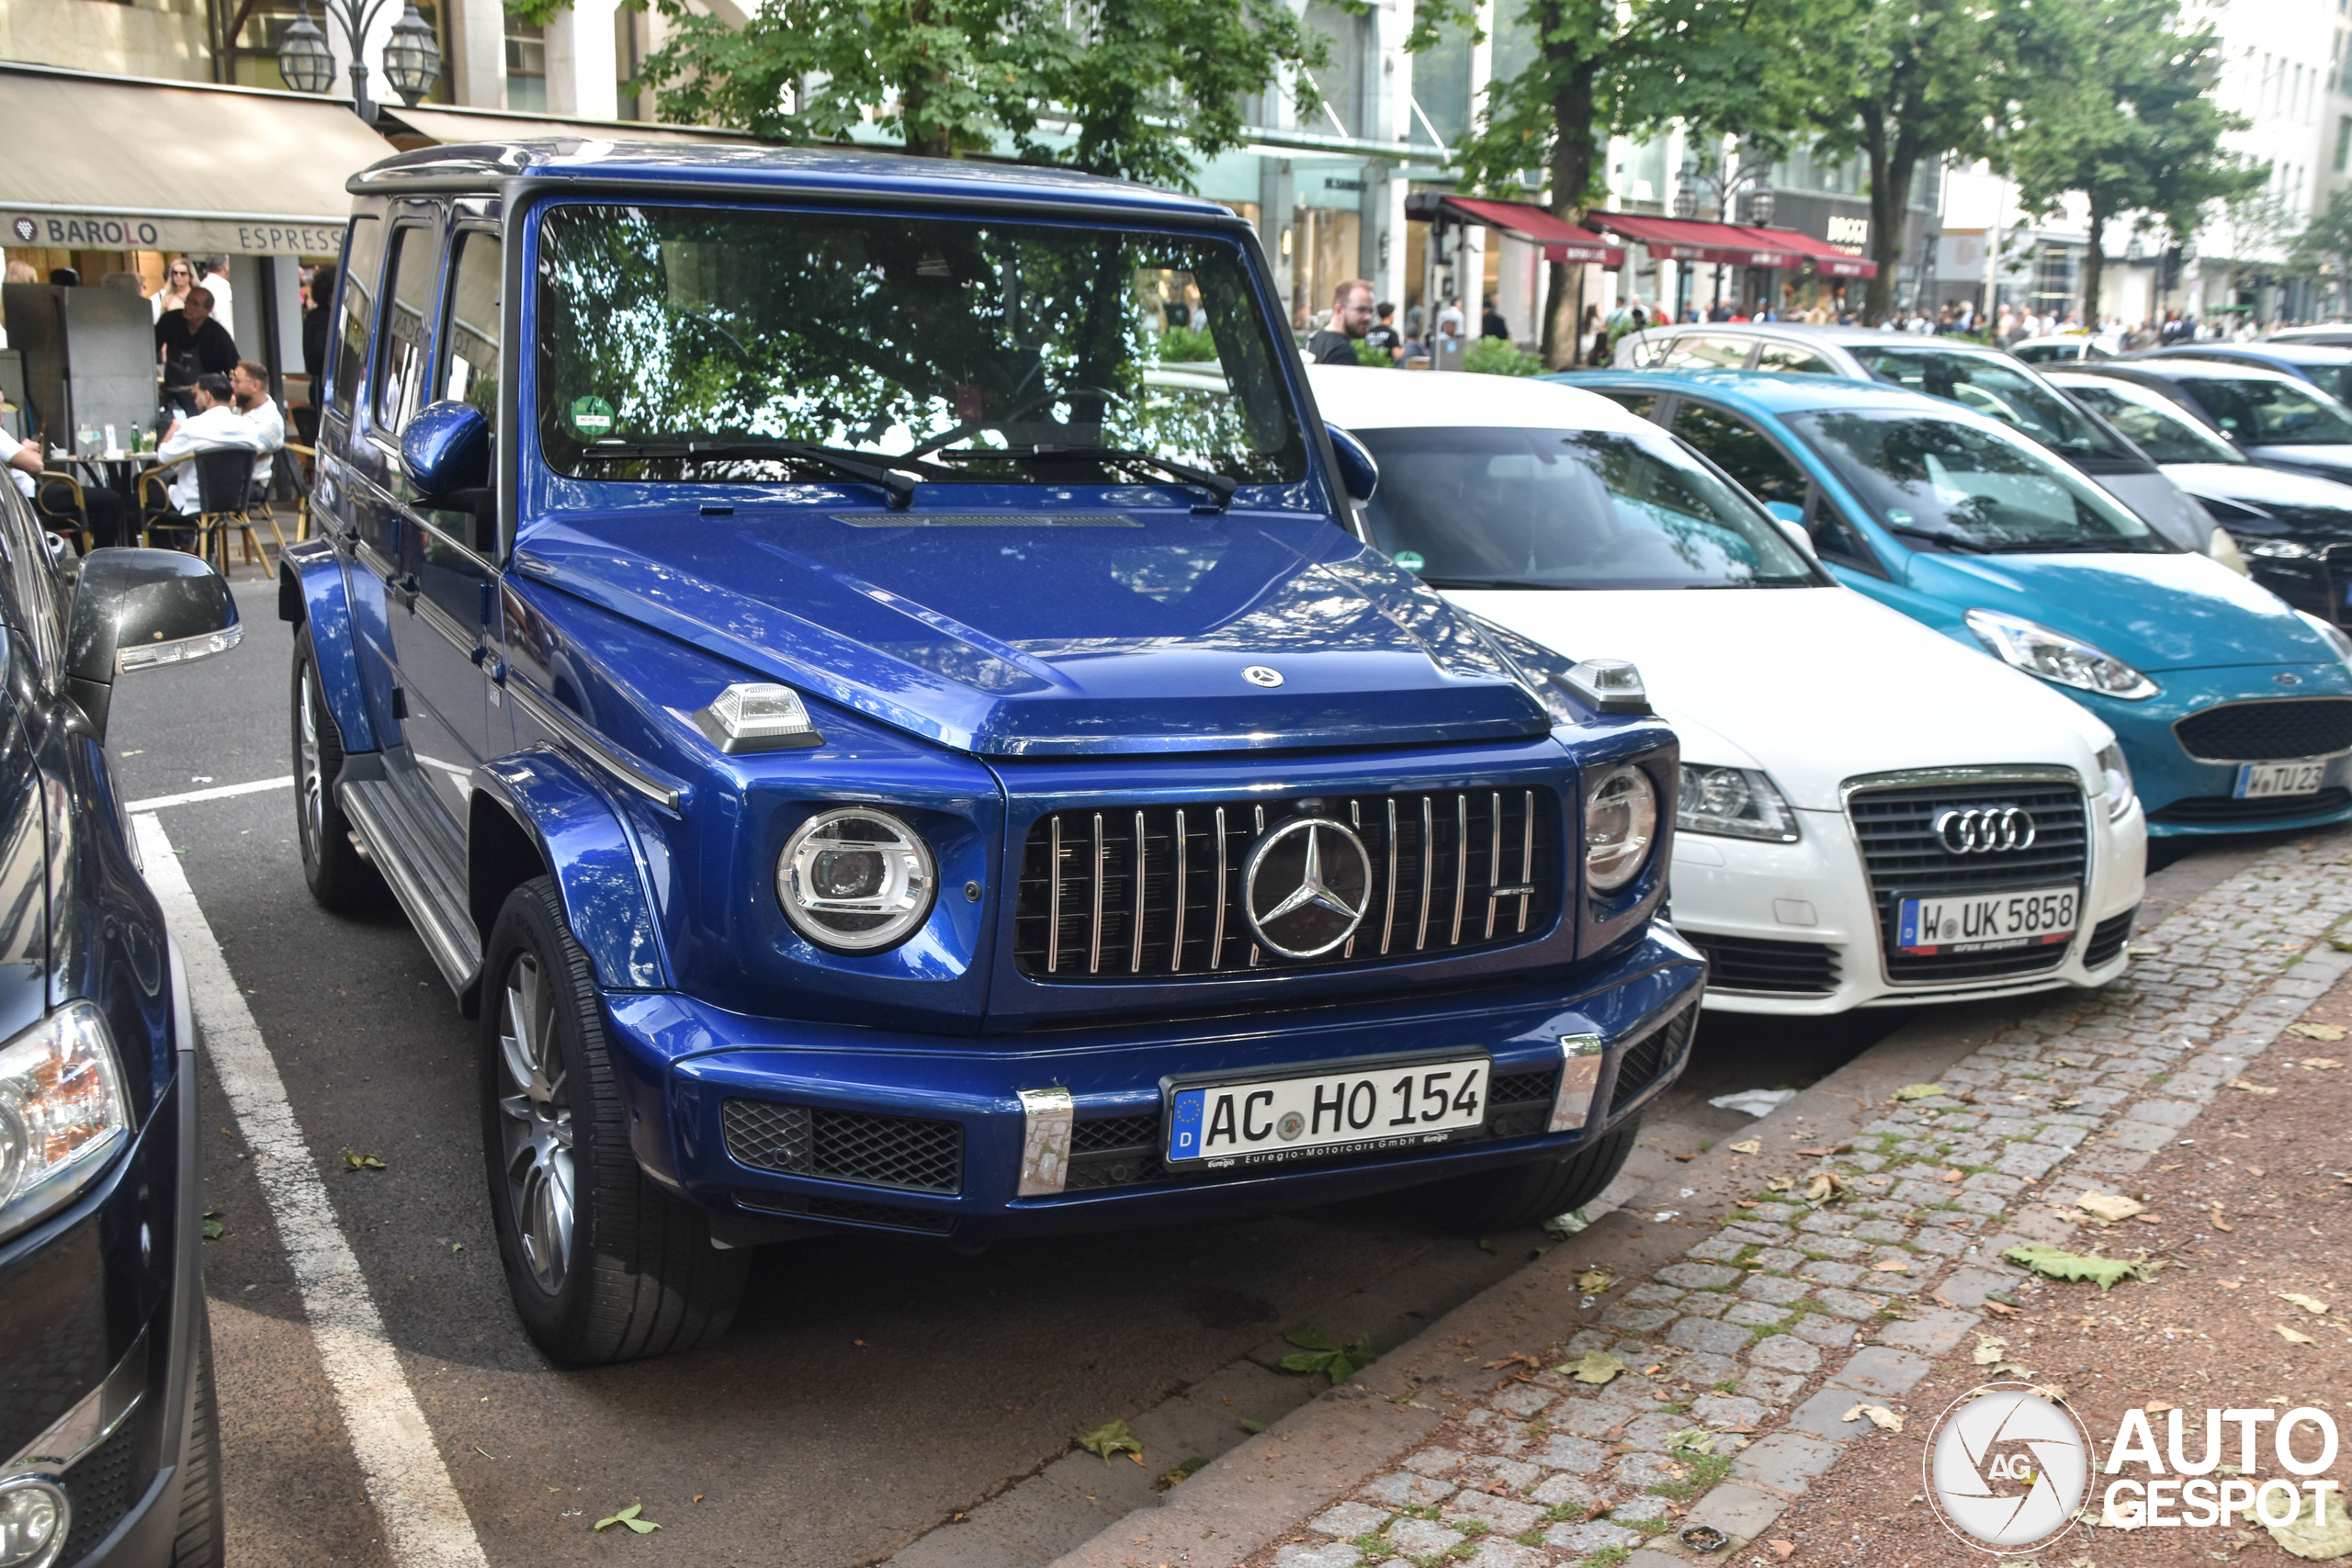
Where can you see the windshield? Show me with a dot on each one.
(2263, 411)
(2008, 392)
(693, 342)
(2335, 380)
(2155, 424)
(1477, 507)
(1962, 487)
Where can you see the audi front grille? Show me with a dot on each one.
(1896, 820)
(2276, 730)
(1143, 893)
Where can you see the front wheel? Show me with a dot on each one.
(603, 1264)
(1521, 1195)
(339, 876)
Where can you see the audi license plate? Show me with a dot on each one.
(1365, 1110)
(2264, 780)
(1979, 922)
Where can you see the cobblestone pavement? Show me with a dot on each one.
(1762, 1338)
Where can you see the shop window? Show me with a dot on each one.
(527, 65)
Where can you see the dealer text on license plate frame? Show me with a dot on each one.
(2271, 780)
(1209, 1117)
(1988, 922)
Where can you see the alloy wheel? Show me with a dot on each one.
(536, 1124)
(314, 781)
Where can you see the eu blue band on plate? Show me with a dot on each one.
(1184, 1135)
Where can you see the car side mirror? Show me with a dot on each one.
(1358, 472)
(1787, 512)
(141, 610)
(447, 447)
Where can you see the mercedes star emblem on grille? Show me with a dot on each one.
(1259, 675)
(1993, 830)
(1305, 887)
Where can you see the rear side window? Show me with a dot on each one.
(1641, 405)
(1708, 353)
(469, 355)
(1791, 360)
(361, 253)
(400, 368)
(1744, 452)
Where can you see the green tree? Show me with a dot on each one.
(1898, 84)
(2325, 247)
(1143, 89)
(2115, 110)
(1601, 67)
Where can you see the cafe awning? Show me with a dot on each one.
(135, 164)
(1688, 240)
(432, 124)
(1562, 240)
(1829, 260)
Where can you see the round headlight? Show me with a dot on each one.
(1619, 824)
(34, 1515)
(855, 878)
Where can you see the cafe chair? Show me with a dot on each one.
(61, 507)
(224, 481)
(299, 464)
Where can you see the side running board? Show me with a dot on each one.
(430, 889)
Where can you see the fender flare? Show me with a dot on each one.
(311, 588)
(575, 832)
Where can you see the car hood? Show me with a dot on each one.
(1013, 635)
(2157, 501)
(2330, 462)
(2167, 611)
(1814, 685)
(2250, 485)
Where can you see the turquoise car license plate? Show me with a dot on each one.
(1363, 1110)
(2267, 781)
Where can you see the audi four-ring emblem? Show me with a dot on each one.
(1986, 830)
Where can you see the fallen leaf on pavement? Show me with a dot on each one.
(2323, 1062)
(1692, 1442)
(1318, 1352)
(2066, 1102)
(2059, 1264)
(2218, 1222)
(1890, 1266)
(1777, 1184)
(1746, 1147)
(2293, 1336)
(2000, 1309)
(212, 1230)
(1919, 1091)
(352, 1161)
(1953, 1176)
(629, 1517)
(2316, 1031)
(1593, 1282)
(1879, 1416)
(2252, 1087)
(1781, 1549)
(1113, 1437)
(2158, 1406)
(2318, 1529)
(1825, 1185)
(1252, 1427)
(1990, 1348)
(1523, 1357)
(2230, 1284)
(2109, 1205)
(1592, 1367)
(2311, 1305)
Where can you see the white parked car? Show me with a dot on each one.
(1871, 814)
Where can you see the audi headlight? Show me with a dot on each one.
(2111, 762)
(1619, 825)
(2334, 634)
(2054, 656)
(1737, 803)
(64, 1112)
(855, 879)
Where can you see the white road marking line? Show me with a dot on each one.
(218, 792)
(424, 1522)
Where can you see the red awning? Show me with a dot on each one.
(1687, 239)
(1562, 240)
(1829, 260)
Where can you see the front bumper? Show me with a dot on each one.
(2184, 797)
(1803, 917)
(684, 1061)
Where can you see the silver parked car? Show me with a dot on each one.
(1981, 378)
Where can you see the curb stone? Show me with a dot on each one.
(2074, 1090)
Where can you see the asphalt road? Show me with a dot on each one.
(871, 1390)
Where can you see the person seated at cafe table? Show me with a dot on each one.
(249, 391)
(215, 426)
(22, 460)
(191, 344)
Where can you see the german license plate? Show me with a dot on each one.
(2262, 781)
(1364, 1110)
(1980, 922)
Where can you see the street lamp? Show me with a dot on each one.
(412, 56)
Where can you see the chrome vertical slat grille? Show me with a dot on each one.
(1161, 885)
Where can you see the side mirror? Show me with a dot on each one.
(1359, 473)
(139, 610)
(447, 447)
(1787, 512)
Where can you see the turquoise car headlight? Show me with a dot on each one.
(2069, 661)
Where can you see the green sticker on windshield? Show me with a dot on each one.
(1411, 560)
(590, 416)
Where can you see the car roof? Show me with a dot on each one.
(1771, 391)
(814, 172)
(1844, 337)
(2285, 353)
(1369, 398)
(2192, 368)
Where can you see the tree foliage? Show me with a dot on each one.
(2116, 111)
(1144, 89)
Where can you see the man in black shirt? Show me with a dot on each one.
(191, 344)
(1351, 320)
(1491, 322)
(1384, 334)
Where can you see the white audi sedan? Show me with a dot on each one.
(1871, 814)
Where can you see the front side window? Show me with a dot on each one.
(1708, 353)
(361, 253)
(2266, 411)
(1943, 484)
(1566, 509)
(2154, 423)
(401, 359)
(470, 338)
(1744, 452)
(1791, 360)
(2017, 398)
(700, 344)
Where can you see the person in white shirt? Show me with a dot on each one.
(22, 460)
(249, 391)
(215, 426)
(215, 281)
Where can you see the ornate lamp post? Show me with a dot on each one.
(412, 56)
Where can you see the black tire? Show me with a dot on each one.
(629, 1271)
(1521, 1195)
(340, 878)
(199, 1540)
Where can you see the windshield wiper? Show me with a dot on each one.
(1956, 541)
(1495, 582)
(1219, 486)
(889, 476)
